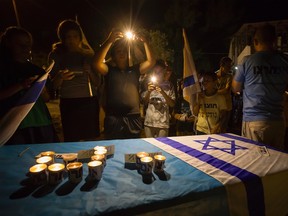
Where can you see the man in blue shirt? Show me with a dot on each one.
(263, 77)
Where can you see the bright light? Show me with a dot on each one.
(129, 35)
(153, 79)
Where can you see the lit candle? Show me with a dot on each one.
(159, 163)
(45, 160)
(102, 152)
(55, 173)
(69, 158)
(48, 153)
(139, 155)
(37, 168)
(99, 148)
(95, 169)
(75, 172)
(99, 157)
(38, 173)
(146, 165)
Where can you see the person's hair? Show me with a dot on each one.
(118, 43)
(213, 75)
(265, 34)
(161, 63)
(8, 35)
(66, 26)
(224, 60)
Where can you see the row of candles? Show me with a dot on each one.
(47, 170)
(145, 163)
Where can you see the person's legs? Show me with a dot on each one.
(163, 132)
(148, 131)
(271, 133)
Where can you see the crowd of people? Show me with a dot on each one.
(86, 82)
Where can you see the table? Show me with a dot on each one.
(204, 175)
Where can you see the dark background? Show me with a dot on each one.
(209, 24)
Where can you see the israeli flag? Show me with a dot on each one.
(12, 119)
(190, 79)
(254, 176)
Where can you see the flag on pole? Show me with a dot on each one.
(85, 44)
(190, 79)
(12, 119)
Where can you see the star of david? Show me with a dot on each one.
(211, 144)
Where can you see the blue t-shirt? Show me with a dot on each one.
(265, 78)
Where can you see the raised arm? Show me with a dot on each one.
(150, 61)
(98, 61)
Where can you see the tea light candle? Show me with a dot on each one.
(48, 153)
(45, 160)
(69, 158)
(139, 155)
(37, 168)
(75, 172)
(146, 165)
(38, 173)
(100, 148)
(99, 157)
(159, 163)
(101, 152)
(95, 169)
(55, 173)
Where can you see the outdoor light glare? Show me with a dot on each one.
(153, 79)
(129, 35)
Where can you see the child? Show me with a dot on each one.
(17, 74)
(210, 107)
(77, 82)
(182, 114)
(158, 98)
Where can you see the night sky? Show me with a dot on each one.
(97, 17)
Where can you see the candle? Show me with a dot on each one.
(75, 172)
(159, 163)
(37, 168)
(139, 155)
(99, 157)
(100, 148)
(69, 158)
(146, 165)
(48, 153)
(55, 173)
(38, 174)
(45, 160)
(95, 169)
(102, 151)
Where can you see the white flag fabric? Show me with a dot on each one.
(12, 119)
(190, 79)
(253, 174)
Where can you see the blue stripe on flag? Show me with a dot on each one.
(188, 81)
(252, 182)
(33, 94)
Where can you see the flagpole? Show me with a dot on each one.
(16, 12)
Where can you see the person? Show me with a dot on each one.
(210, 108)
(77, 83)
(224, 82)
(17, 74)
(121, 83)
(159, 97)
(182, 114)
(263, 77)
